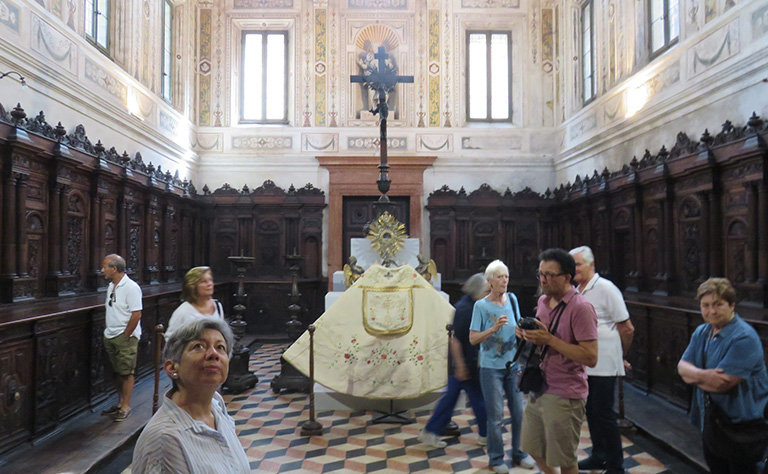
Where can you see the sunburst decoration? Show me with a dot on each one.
(373, 36)
(387, 236)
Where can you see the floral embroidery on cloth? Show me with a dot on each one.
(387, 311)
(350, 359)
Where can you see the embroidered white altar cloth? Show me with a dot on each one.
(351, 360)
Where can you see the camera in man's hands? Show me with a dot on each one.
(528, 324)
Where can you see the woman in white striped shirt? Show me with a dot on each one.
(192, 432)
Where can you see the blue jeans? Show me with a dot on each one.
(496, 383)
(444, 409)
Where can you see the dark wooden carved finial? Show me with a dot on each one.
(18, 114)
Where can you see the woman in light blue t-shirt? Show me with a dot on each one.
(493, 328)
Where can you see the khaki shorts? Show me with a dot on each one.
(122, 353)
(551, 429)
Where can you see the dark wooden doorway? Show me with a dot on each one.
(358, 211)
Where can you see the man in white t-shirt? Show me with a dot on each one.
(122, 332)
(614, 336)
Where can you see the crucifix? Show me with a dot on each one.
(381, 77)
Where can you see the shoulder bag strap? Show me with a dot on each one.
(511, 297)
(559, 309)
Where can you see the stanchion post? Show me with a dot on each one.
(311, 427)
(159, 337)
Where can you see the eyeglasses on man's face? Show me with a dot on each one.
(547, 275)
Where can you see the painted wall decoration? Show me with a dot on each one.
(490, 3)
(583, 126)
(385, 4)
(9, 15)
(492, 143)
(206, 141)
(434, 142)
(714, 49)
(265, 142)
(145, 46)
(53, 45)
(614, 108)
(547, 35)
(169, 124)
(328, 142)
(434, 68)
(145, 105)
(204, 68)
(371, 143)
(105, 80)
(664, 79)
(263, 3)
(321, 29)
(710, 10)
(333, 79)
(759, 22)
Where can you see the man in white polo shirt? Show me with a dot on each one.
(614, 336)
(122, 332)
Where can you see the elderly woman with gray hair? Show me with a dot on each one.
(192, 432)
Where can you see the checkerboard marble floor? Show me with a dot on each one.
(269, 428)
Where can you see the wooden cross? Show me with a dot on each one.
(381, 80)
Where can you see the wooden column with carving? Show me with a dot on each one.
(96, 258)
(21, 226)
(168, 255)
(637, 230)
(716, 233)
(751, 251)
(54, 236)
(9, 236)
(122, 224)
(150, 255)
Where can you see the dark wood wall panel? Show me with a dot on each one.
(65, 203)
(659, 227)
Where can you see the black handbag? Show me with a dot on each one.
(747, 440)
(533, 380)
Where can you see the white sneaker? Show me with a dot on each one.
(431, 439)
(482, 441)
(500, 468)
(527, 462)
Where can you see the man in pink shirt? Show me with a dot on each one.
(567, 335)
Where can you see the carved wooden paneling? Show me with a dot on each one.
(73, 370)
(100, 380)
(640, 350)
(66, 203)
(658, 227)
(669, 336)
(16, 392)
(267, 305)
(691, 258)
(468, 232)
(76, 241)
